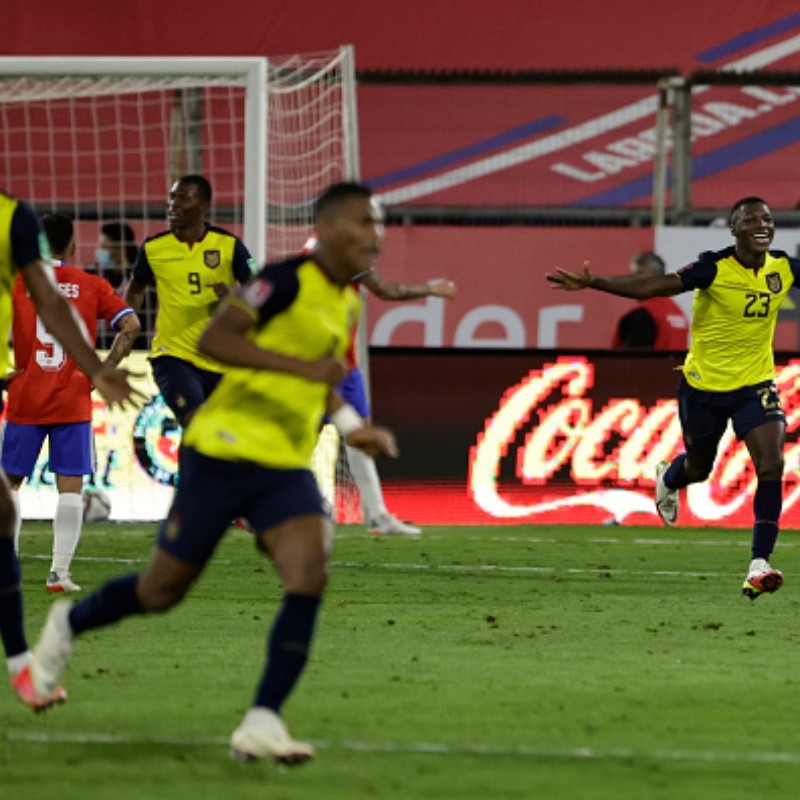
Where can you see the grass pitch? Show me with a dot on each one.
(486, 662)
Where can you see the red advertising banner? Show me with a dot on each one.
(548, 438)
(503, 299)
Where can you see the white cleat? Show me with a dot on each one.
(388, 525)
(61, 583)
(668, 502)
(52, 651)
(761, 578)
(262, 735)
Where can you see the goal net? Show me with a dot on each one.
(102, 139)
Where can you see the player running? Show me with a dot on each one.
(729, 370)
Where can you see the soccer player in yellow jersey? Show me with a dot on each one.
(247, 452)
(193, 265)
(729, 371)
(22, 250)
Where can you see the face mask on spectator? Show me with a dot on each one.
(104, 260)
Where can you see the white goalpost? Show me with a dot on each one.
(102, 139)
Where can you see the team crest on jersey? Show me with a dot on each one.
(212, 258)
(774, 283)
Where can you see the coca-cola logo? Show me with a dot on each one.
(547, 433)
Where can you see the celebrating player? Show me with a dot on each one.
(247, 452)
(729, 371)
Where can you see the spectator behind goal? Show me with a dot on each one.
(114, 256)
(657, 323)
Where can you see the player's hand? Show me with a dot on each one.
(374, 441)
(445, 289)
(571, 281)
(330, 370)
(220, 289)
(113, 383)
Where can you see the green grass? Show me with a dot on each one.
(486, 662)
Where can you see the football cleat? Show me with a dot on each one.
(262, 735)
(388, 525)
(52, 651)
(761, 579)
(668, 502)
(22, 683)
(61, 583)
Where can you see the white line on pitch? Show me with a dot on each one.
(412, 567)
(428, 748)
(462, 568)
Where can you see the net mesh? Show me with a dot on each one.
(107, 147)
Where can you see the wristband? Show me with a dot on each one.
(347, 419)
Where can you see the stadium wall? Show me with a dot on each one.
(467, 144)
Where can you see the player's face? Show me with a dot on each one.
(185, 207)
(753, 227)
(354, 234)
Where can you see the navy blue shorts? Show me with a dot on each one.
(704, 415)
(183, 386)
(212, 493)
(71, 448)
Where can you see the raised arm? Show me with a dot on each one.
(393, 290)
(638, 287)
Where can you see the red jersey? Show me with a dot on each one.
(657, 323)
(51, 389)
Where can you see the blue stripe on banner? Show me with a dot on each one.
(479, 148)
(732, 155)
(745, 40)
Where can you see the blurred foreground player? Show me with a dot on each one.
(22, 248)
(247, 453)
(729, 370)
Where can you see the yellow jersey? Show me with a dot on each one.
(183, 275)
(273, 418)
(22, 242)
(734, 313)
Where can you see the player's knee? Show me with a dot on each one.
(770, 468)
(697, 471)
(157, 598)
(308, 579)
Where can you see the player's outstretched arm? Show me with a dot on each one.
(638, 287)
(225, 339)
(570, 281)
(385, 289)
(61, 320)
